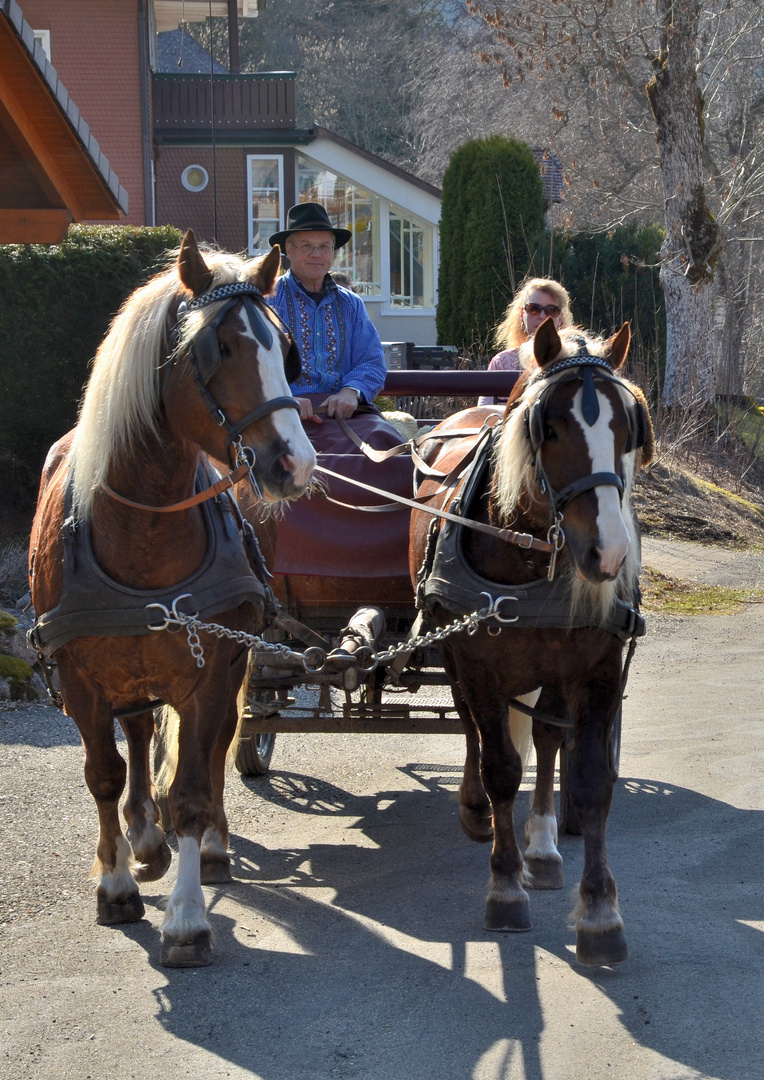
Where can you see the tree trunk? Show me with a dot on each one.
(692, 241)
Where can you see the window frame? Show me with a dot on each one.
(279, 158)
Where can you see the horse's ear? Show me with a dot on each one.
(264, 271)
(192, 269)
(618, 347)
(546, 343)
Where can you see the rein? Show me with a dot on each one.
(523, 540)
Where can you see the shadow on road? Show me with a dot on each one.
(371, 960)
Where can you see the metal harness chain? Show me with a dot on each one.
(314, 658)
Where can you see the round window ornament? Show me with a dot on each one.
(194, 178)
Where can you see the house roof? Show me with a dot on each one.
(178, 52)
(52, 169)
(380, 162)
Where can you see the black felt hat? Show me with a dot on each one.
(309, 217)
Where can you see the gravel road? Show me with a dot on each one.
(351, 942)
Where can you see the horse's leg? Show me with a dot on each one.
(475, 815)
(543, 862)
(215, 860)
(600, 938)
(507, 906)
(186, 932)
(141, 812)
(117, 896)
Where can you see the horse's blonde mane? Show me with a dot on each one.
(120, 406)
(516, 478)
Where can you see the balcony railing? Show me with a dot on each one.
(235, 103)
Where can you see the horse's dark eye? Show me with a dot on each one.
(550, 435)
(225, 352)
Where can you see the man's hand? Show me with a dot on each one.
(343, 404)
(306, 410)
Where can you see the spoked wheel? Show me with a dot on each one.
(255, 748)
(569, 822)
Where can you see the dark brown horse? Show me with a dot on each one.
(194, 367)
(561, 470)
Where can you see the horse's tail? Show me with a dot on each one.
(521, 728)
(166, 748)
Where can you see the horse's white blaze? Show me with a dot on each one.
(186, 914)
(118, 882)
(286, 421)
(613, 533)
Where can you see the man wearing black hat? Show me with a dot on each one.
(343, 370)
(342, 356)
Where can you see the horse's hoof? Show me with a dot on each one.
(215, 869)
(601, 950)
(508, 917)
(475, 826)
(156, 866)
(194, 953)
(111, 912)
(543, 874)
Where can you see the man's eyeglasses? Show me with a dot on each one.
(326, 248)
(547, 309)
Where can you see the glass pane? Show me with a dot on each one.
(410, 270)
(266, 200)
(348, 207)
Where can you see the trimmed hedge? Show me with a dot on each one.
(57, 303)
(491, 222)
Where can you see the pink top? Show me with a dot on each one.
(508, 360)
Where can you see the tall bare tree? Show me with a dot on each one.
(639, 67)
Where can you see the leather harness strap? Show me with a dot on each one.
(223, 484)
(523, 540)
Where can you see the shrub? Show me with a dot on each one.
(492, 218)
(57, 304)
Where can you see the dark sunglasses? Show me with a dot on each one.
(548, 309)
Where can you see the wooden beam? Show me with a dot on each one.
(33, 226)
(18, 115)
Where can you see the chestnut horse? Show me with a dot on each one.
(194, 367)
(560, 473)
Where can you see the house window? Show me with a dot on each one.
(194, 178)
(411, 277)
(43, 36)
(348, 207)
(266, 199)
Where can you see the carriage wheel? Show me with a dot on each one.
(255, 749)
(568, 818)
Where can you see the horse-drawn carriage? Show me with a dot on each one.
(134, 539)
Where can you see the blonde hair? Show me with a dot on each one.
(510, 334)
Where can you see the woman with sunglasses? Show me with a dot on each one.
(536, 300)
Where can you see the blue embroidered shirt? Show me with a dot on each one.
(339, 344)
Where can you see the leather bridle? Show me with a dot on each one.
(204, 356)
(584, 368)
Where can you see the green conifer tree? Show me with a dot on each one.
(492, 220)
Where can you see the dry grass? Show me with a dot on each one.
(668, 596)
